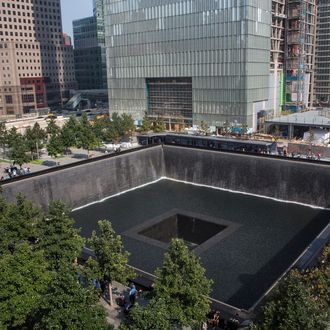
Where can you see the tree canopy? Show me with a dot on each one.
(110, 255)
(24, 279)
(69, 305)
(40, 286)
(59, 240)
(294, 306)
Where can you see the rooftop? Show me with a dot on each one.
(314, 118)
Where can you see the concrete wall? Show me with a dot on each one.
(282, 179)
(84, 184)
(77, 186)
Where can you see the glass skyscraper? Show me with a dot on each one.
(322, 77)
(198, 59)
(89, 52)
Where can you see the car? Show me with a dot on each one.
(50, 163)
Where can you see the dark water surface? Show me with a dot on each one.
(262, 237)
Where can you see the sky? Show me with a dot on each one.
(74, 9)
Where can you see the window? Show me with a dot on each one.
(9, 99)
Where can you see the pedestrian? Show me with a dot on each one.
(132, 294)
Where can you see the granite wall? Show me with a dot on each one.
(86, 183)
(279, 178)
(90, 182)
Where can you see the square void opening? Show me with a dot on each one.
(192, 230)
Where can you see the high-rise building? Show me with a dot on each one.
(36, 67)
(89, 52)
(300, 54)
(189, 59)
(67, 40)
(322, 75)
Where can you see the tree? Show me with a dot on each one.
(17, 222)
(35, 138)
(127, 125)
(117, 124)
(69, 305)
(24, 280)
(12, 136)
(18, 147)
(159, 125)
(59, 240)
(52, 128)
(69, 133)
(182, 285)
(100, 127)
(55, 143)
(86, 137)
(110, 255)
(153, 317)
(55, 146)
(146, 124)
(3, 137)
(292, 307)
(318, 280)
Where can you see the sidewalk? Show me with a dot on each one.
(115, 313)
(49, 162)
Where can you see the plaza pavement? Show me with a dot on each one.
(75, 156)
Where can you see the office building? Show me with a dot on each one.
(89, 52)
(36, 67)
(322, 75)
(192, 60)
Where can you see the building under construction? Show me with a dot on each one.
(300, 40)
(276, 96)
(322, 58)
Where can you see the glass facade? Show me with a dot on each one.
(322, 77)
(89, 52)
(223, 46)
(170, 97)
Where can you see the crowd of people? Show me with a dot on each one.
(14, 171)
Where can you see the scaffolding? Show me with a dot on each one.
(277, 53)
(299, 52)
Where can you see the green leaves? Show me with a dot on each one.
(179, 296)
(24, 279)
(69, 133)
(39, 283)
(153, 317)
(69, 305)
(119, 126)
(110, 254)
(18, 146)
(17, 222)
(182, 285)
(86, 137)
(35, 138)
(293, 306)
(55, 145)
(61, 242)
